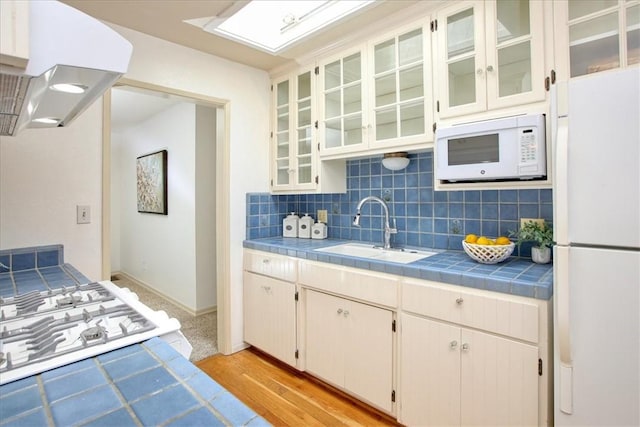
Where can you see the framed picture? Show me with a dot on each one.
(151, 172)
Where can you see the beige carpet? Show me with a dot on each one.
(200, 331)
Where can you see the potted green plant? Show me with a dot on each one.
(541, 235)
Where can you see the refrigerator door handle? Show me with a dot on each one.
(563, 323)
(561, 187)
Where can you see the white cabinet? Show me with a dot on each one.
(343, 127)
(14, 33)
(490, 55)
(295, 163)
(377, 97)
(594, 36)
(461, 356)
(269, 298)
(350, 345)
(472, 357)
(400, 89)
(457, 376)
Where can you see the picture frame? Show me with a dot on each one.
(151, 176)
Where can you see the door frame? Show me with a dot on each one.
(223, 235)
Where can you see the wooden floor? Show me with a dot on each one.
(286, 397)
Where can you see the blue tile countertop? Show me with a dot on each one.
(38, 268)
(139, 385)
(515, 276)
(142, 384)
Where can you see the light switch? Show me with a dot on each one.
(83, 214)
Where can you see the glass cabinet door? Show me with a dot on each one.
(603, 34)
(513, 45)
(282, 134)
(342, 92)
(461, 59)
(399, 86)
(491, 55)
(514, 39)
(303, 128)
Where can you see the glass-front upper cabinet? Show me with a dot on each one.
(343, 126)
(400, 88)
(490, 55)
(293, 160)
(596, 35)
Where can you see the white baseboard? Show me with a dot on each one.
(206, 310)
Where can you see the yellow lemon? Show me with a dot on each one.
(482, 241)
(502, 241)
(490, 242)
(471, 238)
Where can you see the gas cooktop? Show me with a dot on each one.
(44, 330)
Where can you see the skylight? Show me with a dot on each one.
(273, 26)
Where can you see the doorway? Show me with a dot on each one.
(199, 133)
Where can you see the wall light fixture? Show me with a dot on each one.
(395, 161)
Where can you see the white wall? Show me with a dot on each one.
(205, 161)
(44, 174)
(76, 154)
(159, 250)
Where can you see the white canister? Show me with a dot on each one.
(304, 227)
(319, 231)
(290, 225)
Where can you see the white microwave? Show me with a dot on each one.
(510, 148)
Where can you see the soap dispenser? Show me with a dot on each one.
(290, 225)
(304, 227)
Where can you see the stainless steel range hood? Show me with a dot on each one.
(73, 60)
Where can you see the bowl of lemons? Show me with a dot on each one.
(486, 250)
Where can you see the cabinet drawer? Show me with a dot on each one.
(506, 315)
(272, 265)
(376, 288)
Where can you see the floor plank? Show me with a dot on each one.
(286, 397)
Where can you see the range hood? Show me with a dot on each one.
(73, 60)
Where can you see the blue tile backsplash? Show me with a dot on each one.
(424, 217)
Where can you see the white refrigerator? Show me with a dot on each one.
(596, 137)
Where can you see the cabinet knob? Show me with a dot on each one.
(339, 311)
(453, 344)
(459, 301)
(265, 261)
(267, 288)
(465, 347)
(490, 68)
(346, 313)
(479, 71)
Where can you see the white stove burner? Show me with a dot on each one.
(43, 330)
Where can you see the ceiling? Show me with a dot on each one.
(164, 19)
(131, 106)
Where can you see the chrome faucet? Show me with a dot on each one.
(388, 231)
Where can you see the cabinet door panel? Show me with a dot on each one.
(515, 52)
(499, 381)
(342, 103)
(369, 353)
(325, 331)
(400, 88)
(429, 372)
(461, 59)
(270, 316)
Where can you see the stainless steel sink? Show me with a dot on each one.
(360, 250)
